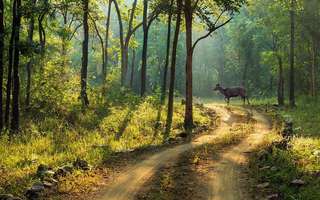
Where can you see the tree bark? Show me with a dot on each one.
(132, 67)
(16, 82)
(292, 46)
(173, 69)
(2, 32)
(121, 36)
(106, 55)
(188, 120)
(84, 68)
(280, 83)
(10, 65)
(313, 69)
(30, 62)
(165, 73)
(144, 48)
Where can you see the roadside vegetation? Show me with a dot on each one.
(292, 170)
(123, 122)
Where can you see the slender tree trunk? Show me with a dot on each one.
(64, 42)
(10, 65)
(29, 64)
(106, 55)
(84, 68)
(313, 69)
(292, 46)
(144, 48)
(132, 67)
(1, 60)
(122, 47)
(165, 73)
(280, 83)
(16, 81)
(173, 69)
(188, 120)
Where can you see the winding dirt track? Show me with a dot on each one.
(224, 185)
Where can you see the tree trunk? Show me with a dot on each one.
(165, 73)
(313, 69)
(144, 48)
(292, 46)
(106, 55)
(16, 81)
(122, 47)
(1, 60)
(173, 69)
(29, 64)
(84, 68)
(132, 67)
(10, 65)
(188, 120)
(280, 83)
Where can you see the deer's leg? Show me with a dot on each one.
(248, 100)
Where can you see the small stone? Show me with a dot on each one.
(265, 167)
(68, 168)
(263, 185)
(298, 182)
(37, 187)
(273, 197)
(47, 184)
(273, 168)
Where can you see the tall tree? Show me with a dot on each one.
(204, 11)
(173, 68)
(188, 11)
(16, 56)
(1, 59)
(292, 46)
(85, 44)
(165, 73)
(30, 62)
(144, 48)
(106, 46)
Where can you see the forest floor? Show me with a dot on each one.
(211, 166)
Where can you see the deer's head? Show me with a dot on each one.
(218, 87)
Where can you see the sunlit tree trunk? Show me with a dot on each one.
(121, 39)
(106, 55)
(165, 73)
(29, 64)
(84, 68)
(16, 82)
(188, 120)
(173, 69)
(292, 54)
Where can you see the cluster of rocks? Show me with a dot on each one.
(49, 179)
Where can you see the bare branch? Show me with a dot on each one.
(210, 32)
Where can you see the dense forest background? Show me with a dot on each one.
(78, 75)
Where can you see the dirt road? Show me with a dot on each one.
(223, 184)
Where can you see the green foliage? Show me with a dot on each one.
(300, 161)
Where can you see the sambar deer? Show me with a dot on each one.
(233, 92)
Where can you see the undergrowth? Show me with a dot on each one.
(301, 160)
(56, 132)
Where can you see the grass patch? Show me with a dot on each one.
(301, 160)
(56, 135)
